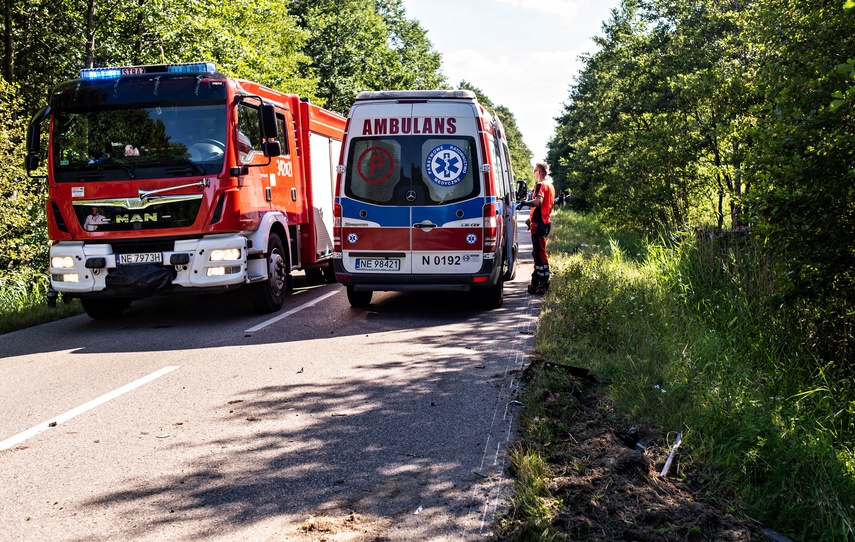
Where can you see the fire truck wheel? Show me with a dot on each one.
(269, 295)
(358, 299)
(315, 276)
(329, 273)
(103, 309)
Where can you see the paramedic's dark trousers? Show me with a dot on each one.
(541, 262)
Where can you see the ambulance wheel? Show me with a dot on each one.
(508, 273)
(492, 297)
(269, 295)
(358, 299)
(103, 309)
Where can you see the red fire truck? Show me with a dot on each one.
(177, 179)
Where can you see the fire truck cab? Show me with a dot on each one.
(424, 197)
(178, 179)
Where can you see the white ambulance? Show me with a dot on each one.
(424, 198)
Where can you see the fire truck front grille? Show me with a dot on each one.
(135, 247)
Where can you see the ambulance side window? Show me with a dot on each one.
(499, 171)
(249, 132)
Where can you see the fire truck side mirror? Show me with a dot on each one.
(269, 126)
(32, 161)
(34, 138)
(272, 148)
(270, 131)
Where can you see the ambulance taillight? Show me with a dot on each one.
(337, 228)
(491, 212)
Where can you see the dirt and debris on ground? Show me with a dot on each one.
(606, 486)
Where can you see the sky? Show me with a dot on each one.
(522, 54)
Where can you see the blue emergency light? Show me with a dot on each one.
(98, 74)
(95, 74)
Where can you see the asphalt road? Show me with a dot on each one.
(193, 418)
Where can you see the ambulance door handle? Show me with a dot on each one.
(425, 225)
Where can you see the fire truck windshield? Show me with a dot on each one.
(139, 142)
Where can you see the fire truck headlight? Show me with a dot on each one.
(220, 271)
(66, 277)
(226, 254)
(62, 262)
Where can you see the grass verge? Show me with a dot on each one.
(23, 302)
(688, 335)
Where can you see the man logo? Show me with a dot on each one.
(136, 218)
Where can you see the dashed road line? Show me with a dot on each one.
(44, 426)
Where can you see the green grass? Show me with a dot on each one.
(23, 301)
(690, 335)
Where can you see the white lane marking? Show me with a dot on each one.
(295, 310)
(44, 426)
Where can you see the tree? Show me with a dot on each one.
(358, 45)
(803, 201)
(649, 136)
(521, 155)
(23, 233)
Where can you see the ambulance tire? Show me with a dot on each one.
(104, 309)
(269, 295)
(507, 273)
(492, 297)
(359, 299)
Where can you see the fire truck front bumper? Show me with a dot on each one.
(214, 262)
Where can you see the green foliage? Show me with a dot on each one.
(23, 300)
(23, 236)
(521, 155)
(727, 115)
(256, 40)
(691, 335)
(531, 501)
(650, 137)
(804, 202)
(358, 45)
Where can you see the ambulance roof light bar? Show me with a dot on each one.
(96, 74)
(404, 95)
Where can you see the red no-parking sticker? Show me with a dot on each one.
(375, 165)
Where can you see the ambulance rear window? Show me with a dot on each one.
(412, 170)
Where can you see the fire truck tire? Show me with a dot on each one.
(315, 276)
(329, 273)
(269, 295)
(358, 299)
(103, 309)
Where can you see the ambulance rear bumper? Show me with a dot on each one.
(387, 282)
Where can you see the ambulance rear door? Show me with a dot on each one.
(447, 215)
(412, 200)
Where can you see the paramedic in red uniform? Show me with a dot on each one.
(543, 198)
